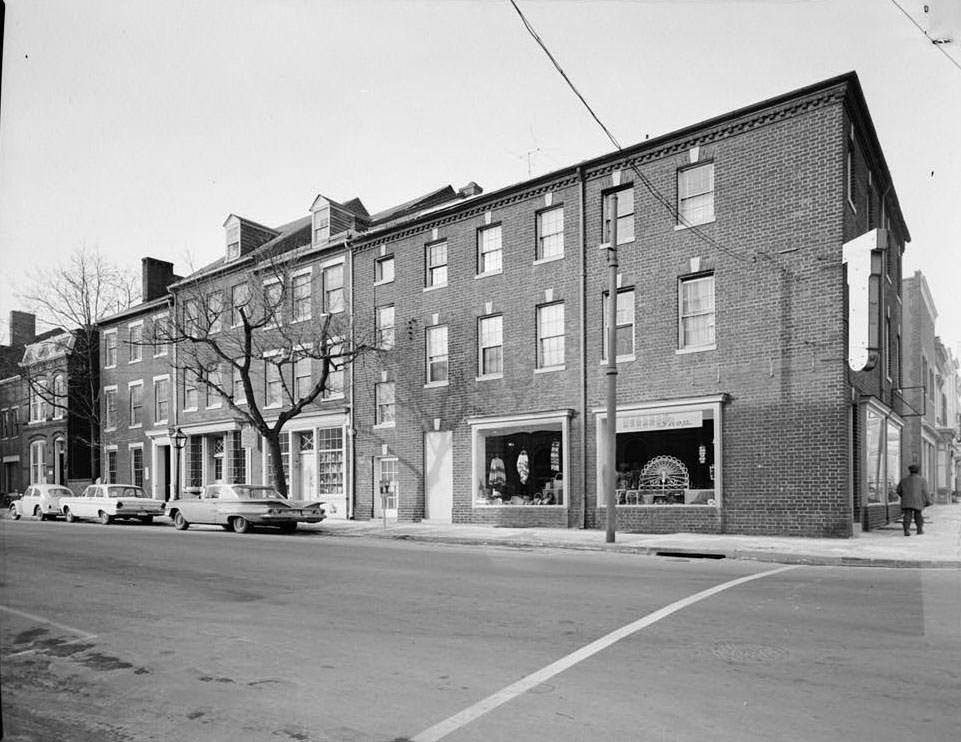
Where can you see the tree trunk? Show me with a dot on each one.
(277, 459)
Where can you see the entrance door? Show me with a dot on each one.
(161, 469)
(385, 487)
(307, 485)
(60, 462)
(438, 475)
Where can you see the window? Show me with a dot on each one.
(322, 224)
(625, 325)
(550, 234)
(334, 289)
(215, 309)
(219, 456)
(161, 400)
(489, 251)
(335, 375)
(36, 400)
(38, 462)
(384, 269)
(696, 323)
(192, 318)
(490, 342)
(194, 465)
(136, 466)
(437, 354)
(233, 250)
(111, 467)
(273, 301)
(191, 397)
(695, 195)
(624, 213)
(110, 349)
(135, 398)
(237, 472)
(136, 342)
(300, 297)
(110, 408)
(384, 402)
(520, 462)
(59, 396)
(302, 377)
(330, 457)
(161, 334)
(240, 394)
(437, 264)
(274, 384)
(214, 382)
(384, 327)
(550, 335)
(239, 300)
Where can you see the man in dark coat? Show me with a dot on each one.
(914, 498)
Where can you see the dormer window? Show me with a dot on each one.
(233, 238)
(233, 250)
(322, 224)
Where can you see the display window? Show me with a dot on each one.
(520, 463)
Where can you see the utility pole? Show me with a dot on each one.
(610, 482)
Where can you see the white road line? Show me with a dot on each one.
(81, 635)
(465, 717)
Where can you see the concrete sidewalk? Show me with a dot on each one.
(938, 547)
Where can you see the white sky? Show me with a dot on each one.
(137, 126)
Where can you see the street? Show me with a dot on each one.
(131, 632)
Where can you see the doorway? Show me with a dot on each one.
(439, 476)
(386, 493)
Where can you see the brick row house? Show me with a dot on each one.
(461, 341)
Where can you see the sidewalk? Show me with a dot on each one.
(938, 548)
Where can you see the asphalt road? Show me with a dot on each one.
(131, 632)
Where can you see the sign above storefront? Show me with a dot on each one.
(634, 422)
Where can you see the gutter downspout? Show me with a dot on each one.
(350, 471)
(582, 342)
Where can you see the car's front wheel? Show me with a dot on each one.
(14, 513)
(69, 516)
(241, 525)
(104, 518)
(180, 523)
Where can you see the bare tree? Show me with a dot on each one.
(74, 296)
(255, 341)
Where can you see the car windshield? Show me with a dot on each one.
(248, 492)
(59, 492)
(126, 491)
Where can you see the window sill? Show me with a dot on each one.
(160, 355)
(551, 259)
(384, 426)
(135, 427)
(189, 409)
(435, 287)
(695, 349)
(332, 397)
(682, 227)
(272, 406)
(213, 407)
(435, 384)
(489, 377)
(488, 274)
(620, 359)
(295, 320)
(109, 367)
(550, 369)
(383, 283)
(511, 506)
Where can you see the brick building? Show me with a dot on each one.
(15, 475)
(738, 409)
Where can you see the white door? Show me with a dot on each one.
(307, 489)
(385, 487)
(439, 475)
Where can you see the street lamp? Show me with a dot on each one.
(179, 439)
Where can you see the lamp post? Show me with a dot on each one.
(179, 439)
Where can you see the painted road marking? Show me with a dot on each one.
(465, 717)
(81, 635)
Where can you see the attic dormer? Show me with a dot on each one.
(329, 218)
(242, 235)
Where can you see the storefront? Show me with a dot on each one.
(882, 465)
(667, 453)
(520, 460)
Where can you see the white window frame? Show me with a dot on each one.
(270, 383)
(195, 385)
(110, 346)
(682, 345)
(38, 462)
(432, 269)
(335, 345)
(162, 321)
(275, 309)
(157, 381)
(136, 347)
(633, 318)
(131, 407)
(379, 422)
(59, 394)
(540, 365)
(482, 372)
(131, 447)
(613, 196)
(216, 302)
(108, 450)
(490, 250)
(379, 264)
(341, 290)
(108, 392)
(320, 224)
(381, 329)
(301, 307)
(684, 208)
(298, 366)
(210, 392)
(442, 355)
(36, 400)
(542, 237)
(235, 320)
(237, 378)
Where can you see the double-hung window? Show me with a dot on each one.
(384, 327)
(59, 396)
(334, 289)
(300, 297)
(214, 382)
(274, 385)
(489, 250)
(36, 400)
(384, 269)
(110, 408)
(273, 301)
(161, 399)
(335, 374)
(110, 349)
(161, 335)
(136, 342)
(436, 264)
(624, 342)
(620, 205)
(695, 195)
(215, 311)
(240, 394)
(696, 310)
(136, 465)
(239, 300)
(437, 354)
(490, 342)
(550, 335)
(135, 398)
(192, 318)
(384, 403)
(550, 233)
(191, 395)
(302, 377)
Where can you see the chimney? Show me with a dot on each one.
(157, 276)
(23, 328)
(471, 189)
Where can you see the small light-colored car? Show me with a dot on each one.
(41, 501)
(109, 502)
(240, 507)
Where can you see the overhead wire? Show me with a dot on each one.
(937, 43)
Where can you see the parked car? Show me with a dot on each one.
(109, 502)
(242, 506)
(40, 500)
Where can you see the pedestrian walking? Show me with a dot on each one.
(913, 491)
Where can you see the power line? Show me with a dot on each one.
(938, 43)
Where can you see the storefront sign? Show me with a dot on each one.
(634, 422)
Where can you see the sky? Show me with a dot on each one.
(135, 127)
